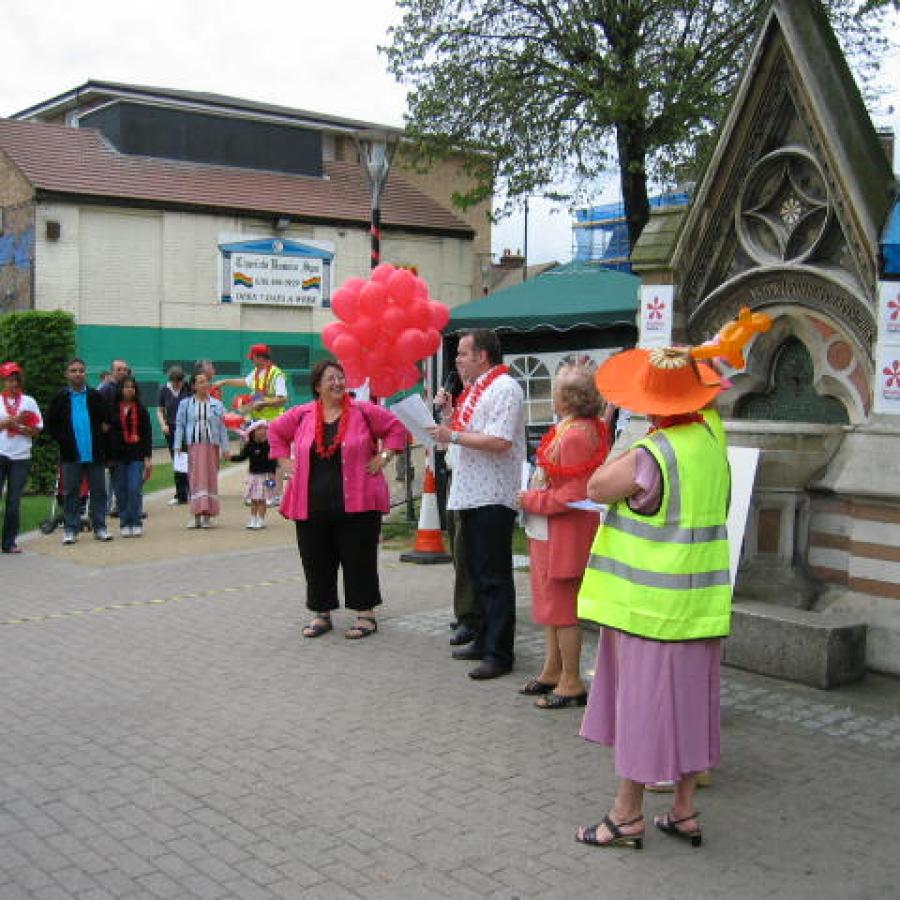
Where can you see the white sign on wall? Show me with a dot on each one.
(889, 311)
(656, 315)
(887, 379)
(275, 272)
(275, 280)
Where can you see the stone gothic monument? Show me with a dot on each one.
(788, 219)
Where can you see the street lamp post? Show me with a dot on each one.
(376, 150)
(376, 153)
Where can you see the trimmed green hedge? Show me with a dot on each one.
(41, 343)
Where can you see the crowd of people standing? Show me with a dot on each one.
(654, 575)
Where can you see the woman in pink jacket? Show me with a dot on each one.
(335, 450)
(567, 457)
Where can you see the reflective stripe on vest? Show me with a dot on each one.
(665, 575)
(268, 391)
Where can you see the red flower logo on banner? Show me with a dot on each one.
(892, 374)
(894, 307)
(655, 308)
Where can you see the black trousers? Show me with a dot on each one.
(182, 494)
(487, 535)
(349, 541)
(464, 609)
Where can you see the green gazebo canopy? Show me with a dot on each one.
(575, 295)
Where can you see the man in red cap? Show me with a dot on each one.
(267, 384)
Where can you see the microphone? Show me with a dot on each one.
(452, 385)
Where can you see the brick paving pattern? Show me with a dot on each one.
(167, 733)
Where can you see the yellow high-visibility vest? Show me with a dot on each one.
(665, 576)
(267, 388)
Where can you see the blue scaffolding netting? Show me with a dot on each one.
(601, 232)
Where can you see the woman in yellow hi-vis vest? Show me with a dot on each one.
(658, 581)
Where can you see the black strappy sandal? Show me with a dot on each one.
(667, 825)
(561, 701)
(318, 628)
(536, 687)
(617, 837)
(358, 632)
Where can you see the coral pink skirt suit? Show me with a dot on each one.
(558, 564)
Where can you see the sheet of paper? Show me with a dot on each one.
(537, 527)
(589, 505)
(413, 412)
(526, 475)
(743, 461)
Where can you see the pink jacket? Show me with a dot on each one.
(292, 435)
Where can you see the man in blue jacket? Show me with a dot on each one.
(78, 419)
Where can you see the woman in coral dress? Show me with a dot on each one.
(567, 457)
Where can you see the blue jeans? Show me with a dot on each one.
(487, 535)
(13, 474)
(71, 475)
(129, 488)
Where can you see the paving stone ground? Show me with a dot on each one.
(165, 732)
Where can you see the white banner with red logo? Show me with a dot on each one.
(656, 315)
(887, 353)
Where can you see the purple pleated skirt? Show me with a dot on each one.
(656, 704)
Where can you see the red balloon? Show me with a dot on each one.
(433, 342)
(331, 331)
(408, 378)
(401, 286)
(393, 321)
(383, 272)
(421, 288)
(383, 383)
(233, 420)
(353, 373)
(346, 346)
(438, 315)
(418, 315)
(240, 400)
(382, 356)
(372, 299)
(411, 345)
(345, 304)
(354, 285)
(365, 329)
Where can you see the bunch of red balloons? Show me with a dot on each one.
(386, 325)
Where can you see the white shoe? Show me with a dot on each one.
(69, 537)
(101, 534)
(137, 531)
(204, 522)
(251, 523)
(173, 502)
(193, 523)
(260, 522)
(126, 531)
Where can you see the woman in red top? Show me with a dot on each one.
(131, 447)
(567, 457)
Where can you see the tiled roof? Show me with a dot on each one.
(61, 160)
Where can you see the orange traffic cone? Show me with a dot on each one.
(429, 544)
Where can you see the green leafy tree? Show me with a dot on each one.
(554, 91)
(41, 343)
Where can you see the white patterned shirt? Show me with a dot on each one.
(482, 478)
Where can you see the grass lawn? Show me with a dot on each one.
(35, 508)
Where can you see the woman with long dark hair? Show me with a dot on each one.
(131, 449)
(199, 424)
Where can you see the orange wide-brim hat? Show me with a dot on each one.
(661, 382)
